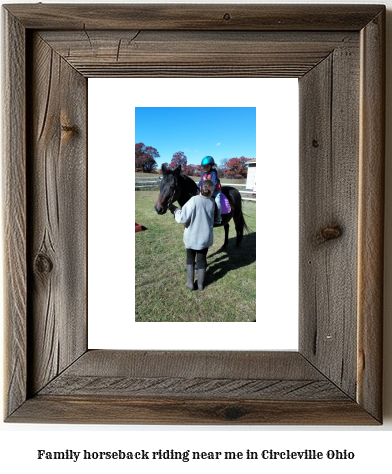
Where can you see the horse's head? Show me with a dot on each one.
(169, 189)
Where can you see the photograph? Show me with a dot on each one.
(195, 214)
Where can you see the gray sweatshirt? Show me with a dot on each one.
(198, 217)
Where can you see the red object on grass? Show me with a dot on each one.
(138, 227)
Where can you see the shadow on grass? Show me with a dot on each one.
(230, 258)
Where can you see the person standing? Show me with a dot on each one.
(198, 216)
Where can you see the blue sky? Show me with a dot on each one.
(221, 132)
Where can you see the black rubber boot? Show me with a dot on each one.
(200, 278)
(190, 269)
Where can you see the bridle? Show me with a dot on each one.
(171, 198)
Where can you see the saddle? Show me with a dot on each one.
(225, 205)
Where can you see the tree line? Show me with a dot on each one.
(145, 161)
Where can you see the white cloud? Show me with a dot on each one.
(217, 144)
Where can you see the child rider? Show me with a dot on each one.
(210, 173)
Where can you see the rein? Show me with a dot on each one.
(171, 198)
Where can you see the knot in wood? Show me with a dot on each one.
(232, 413)
(227, 16)
(43, 264)
(328, 233)
(68, 128)
(315, 143)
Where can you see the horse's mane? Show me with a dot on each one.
(190, 188)
(189, 181)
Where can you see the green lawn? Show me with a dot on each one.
(230, 285)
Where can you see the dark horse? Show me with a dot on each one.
(176, 186)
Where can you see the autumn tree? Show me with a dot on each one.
(190, 170)
(221, 168)
(145, 157)
(198, 170)
(221, 172)
(236, 167)
(179, 158)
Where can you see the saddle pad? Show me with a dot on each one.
(225, 205)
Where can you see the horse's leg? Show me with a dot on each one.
(226, 226)
(239, 228)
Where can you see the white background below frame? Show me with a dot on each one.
(111, 241)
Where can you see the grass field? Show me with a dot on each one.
(230, 284)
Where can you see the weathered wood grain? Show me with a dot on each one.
(176, 387)
(329, 167)
(179, 374)
(201, 364)
(195, 17)
(128, 53)
(200, 386)
(57, 215)
(103, 409)
(14, 207)
(371, 216)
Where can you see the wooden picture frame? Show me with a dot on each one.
(337, 52)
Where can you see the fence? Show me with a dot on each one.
(242, 192)
(151, 182)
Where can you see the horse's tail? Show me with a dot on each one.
(240, 221)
